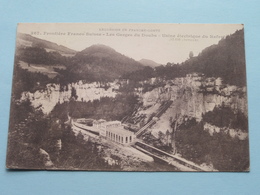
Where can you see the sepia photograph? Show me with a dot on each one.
(129, 97)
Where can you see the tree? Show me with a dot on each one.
(74, 93)
(191, 54)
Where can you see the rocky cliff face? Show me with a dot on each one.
(197, 95)
(232, 132)
(48, 98)
(192, 97)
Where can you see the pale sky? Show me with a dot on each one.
(161, 43)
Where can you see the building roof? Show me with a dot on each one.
(112, 122)
(99, 121)
(120, 131)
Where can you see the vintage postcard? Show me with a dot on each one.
(129, 97)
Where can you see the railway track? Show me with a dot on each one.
(153, 121)
(181, 163)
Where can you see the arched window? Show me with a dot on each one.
(126, 139)
(130, 139)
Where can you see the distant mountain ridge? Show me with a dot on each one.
(98, 48)
(101, 62)
(150, 63)
(28, 40)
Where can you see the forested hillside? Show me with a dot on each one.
(225, 60)
(25, 39)
(103, 62)
(95, 63)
